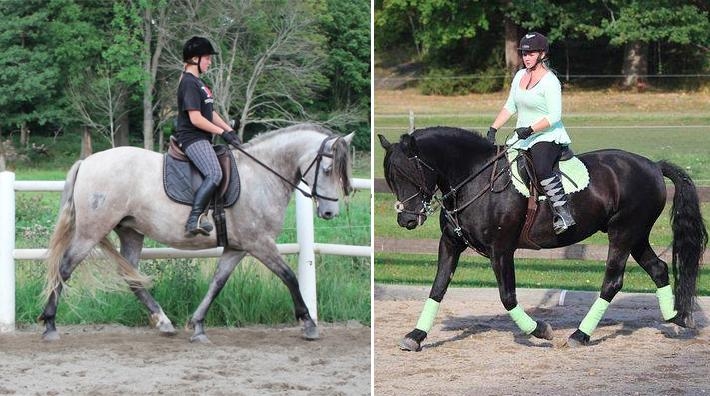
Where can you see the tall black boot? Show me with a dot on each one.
(195, 224)
(562, 219)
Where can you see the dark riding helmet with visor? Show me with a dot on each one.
(197, 47)
(535, 41)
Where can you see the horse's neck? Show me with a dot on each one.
(285, 153)
(456, 166)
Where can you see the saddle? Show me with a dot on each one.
(181, 179)
(574, 176)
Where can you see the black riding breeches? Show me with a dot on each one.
(203, 156)
(544, 157)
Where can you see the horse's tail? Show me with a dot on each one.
(689, 237)
(63, 234)
(62, 238)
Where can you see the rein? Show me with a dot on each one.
(317, 160)
(452, 215)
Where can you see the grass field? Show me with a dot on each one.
(252, 295)
(672, 126)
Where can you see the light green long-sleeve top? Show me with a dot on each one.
(531, 105)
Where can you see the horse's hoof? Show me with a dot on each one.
(50, 336)
(543, 330)
(685, 321)
(200, 338)
(167, 330)
(577, 339)
(408, 344)
(311, 333)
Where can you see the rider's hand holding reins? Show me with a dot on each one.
(524, 132)
(231, 138)
(491, 136)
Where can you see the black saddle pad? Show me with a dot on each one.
(181, 179)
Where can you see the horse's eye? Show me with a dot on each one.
(328, 169)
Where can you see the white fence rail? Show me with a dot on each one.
(306, 247)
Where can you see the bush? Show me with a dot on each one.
(449, 82)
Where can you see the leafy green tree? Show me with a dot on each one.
(43, 43)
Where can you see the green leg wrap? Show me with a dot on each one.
(426, 319)
(665, 300)
(524, 322)
(590, 322)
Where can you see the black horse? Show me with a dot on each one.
(482, 211)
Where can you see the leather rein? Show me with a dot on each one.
(316, 161)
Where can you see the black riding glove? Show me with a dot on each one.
(491, 136)
(524, 132)
(231, 138)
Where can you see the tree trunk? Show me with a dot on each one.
(635, 66)
(3, 161)
(24, 134)
(86, 146)
(512, 55)
(121, 138)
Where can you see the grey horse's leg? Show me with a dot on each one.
(269, 255)
(227, 263)
(131, 246)
(71, 258)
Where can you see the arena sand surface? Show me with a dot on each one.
(475, 349)
(116, 360)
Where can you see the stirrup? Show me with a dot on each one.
(559, 224)
(202, 227)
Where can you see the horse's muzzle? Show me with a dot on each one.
(410, 221)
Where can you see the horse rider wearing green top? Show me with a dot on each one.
(535, 95)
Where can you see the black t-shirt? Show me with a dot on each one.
(193, 94)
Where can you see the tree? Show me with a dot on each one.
(43, 42)
(98, 100)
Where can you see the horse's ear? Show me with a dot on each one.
(349, 138)
(409, 145)
(385, 144)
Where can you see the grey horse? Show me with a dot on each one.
(121, 190)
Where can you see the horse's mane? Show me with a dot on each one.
(291, 129)
(458, 137)
(341, 154)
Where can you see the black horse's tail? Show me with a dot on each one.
(689, 237)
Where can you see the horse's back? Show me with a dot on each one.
(619, 176)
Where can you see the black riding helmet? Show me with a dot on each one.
(535, 41)
(197, 46)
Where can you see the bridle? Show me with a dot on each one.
(316, 161)
(427, 195)
(424, 193)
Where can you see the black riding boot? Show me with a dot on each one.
(562, 218)
(195, 224)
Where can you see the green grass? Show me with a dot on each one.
(475, 271)
(252, 295)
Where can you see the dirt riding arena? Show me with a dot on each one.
(475, 349)
(114, 360)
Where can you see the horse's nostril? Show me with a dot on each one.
(327, 215)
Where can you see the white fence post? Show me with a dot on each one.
(306, 253)
(7, 247)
